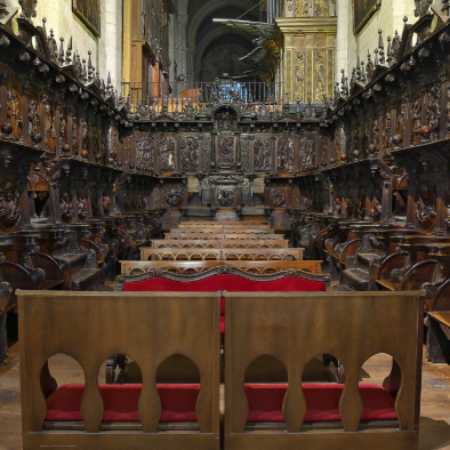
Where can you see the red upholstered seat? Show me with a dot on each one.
(121, 403)
(226, 282)
(322, 402)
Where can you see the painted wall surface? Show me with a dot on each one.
(106, 49)
(389, 18)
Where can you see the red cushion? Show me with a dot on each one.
(121, 403)
(322, 402)
(231, 283)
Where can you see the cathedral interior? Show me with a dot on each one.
(165, 161)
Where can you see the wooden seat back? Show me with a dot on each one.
(352, 327)
(193, 267)
(235, 254)
(90, 327)
(202, 243)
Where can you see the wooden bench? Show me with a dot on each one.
(267, 243)
(192, 267)
(294, 329)
(221, 236)
(190, 254)
(151, 328)
(220, 278)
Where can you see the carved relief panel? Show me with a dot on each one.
(50, 129)
(12, 115)
(285, 158)
(226, 152)
(262, 154)
(189, 154)
(167, 154)
(307, 153)
(144, 153)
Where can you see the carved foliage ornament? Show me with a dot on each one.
(226, 196)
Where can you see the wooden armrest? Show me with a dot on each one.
(441, 316)
(387, 285)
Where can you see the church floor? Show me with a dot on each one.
(434, 422)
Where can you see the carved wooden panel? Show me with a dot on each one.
(285, 156)
(225, 152)
(262, 154)
(167, 149)
(189, 154)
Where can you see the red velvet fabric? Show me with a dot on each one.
(322, 402)
(226, 282)
(178, 403)
(121, 403)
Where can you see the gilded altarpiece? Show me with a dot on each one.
(309, 54)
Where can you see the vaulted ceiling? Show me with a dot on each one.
(216, 48)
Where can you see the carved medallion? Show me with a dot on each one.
(174, 197)
(226, 196)
(278, 197)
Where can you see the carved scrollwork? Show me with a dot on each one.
(189, 153)
(226, 196)
(174, 197)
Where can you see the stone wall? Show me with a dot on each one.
(389, 18)
(106, 49)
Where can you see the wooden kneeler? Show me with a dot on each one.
(90, 327)
(294, 328)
